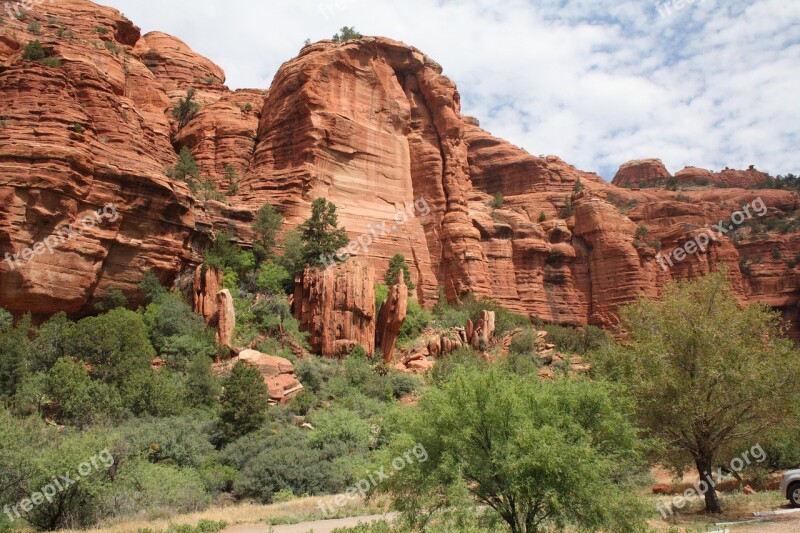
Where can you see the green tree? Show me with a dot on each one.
(152, 392)
(202, 384)
(347, 33)
(186, 109)
(112, 299)
(151, 285)
(244, 402)
(292, 253)
(78, 399)
(273, 278)
(232, 177)
(707, 375)
(14, 347)
(321, 235)
(396, 264)
(539, 454)
(115, 344)
(578, 187)
(266, 226)
(225, 254)
(186, 167)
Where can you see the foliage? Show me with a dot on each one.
(226, 254)
(320, 234)
(540, 454)
(567, 210)
(578, 187)
(396, 264)
(417, 319)
(186, 167)
(272, 278)
(34, 51)
(707, 374)
(112, 299)
(77, 398)
(151, 285)
(497, 201)
(346, 33)
(186, 109)
(579, 341)
(232, 178)
(542, 216)
(291, 258)
(266, 226)
(243, 400)
(152, 392)
(115, 344)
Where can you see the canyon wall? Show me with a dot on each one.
(373, 126)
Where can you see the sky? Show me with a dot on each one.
(708, 83)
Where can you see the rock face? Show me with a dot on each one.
(391, 317)
(370, 124)
(336, 306)
(226, 318)
(207, 283)
(483, 334)
(278, 374)
(641, 173)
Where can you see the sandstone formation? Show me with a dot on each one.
(373, 126)
(483, 334)
(336, 306)
(278, 374)
(207, 283)
(641, 173)
(391, 317)
(226, 319)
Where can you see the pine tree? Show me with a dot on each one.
(321, 235)
(396, 264)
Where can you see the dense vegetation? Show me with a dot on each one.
(134, 394)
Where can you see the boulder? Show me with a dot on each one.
(278, 374)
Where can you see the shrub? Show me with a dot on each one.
(168, 318)
(34, 51)
(77, 398)
(417, 319)
(396, 264)
(186, 109)
(524, 343)
(346, 34)
(273, 279)
(578, 187)
(226, 254)
(153, 392)
(34, 27)
(542, 216)
(498, 200)
(567, 210)
(449, 365)
(186, 167)
(115, 344)
(112, 299)
(243, 402)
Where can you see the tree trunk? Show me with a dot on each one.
(707, 483)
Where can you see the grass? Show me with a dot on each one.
(735, 506)
(292, 512)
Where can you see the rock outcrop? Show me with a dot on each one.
(391, 317)
(278, 374)
(336, 306)
(226, 319)
(370, 124)
(641, 173)
(207, 283)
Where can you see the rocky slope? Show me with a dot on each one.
(372, 125)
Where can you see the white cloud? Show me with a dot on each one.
(596, 82)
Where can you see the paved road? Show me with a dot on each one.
(319, 526)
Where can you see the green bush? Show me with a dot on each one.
(396, 264)
(347, 33)
(77, 398)
(243, 403)
(267, 224)
(186, 109)
(274, 279)
(321, 235)
(34, 51)
(153, 392)
(115, 344)
(186, 167)
(498, 201)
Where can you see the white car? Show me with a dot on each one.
(790, 486)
